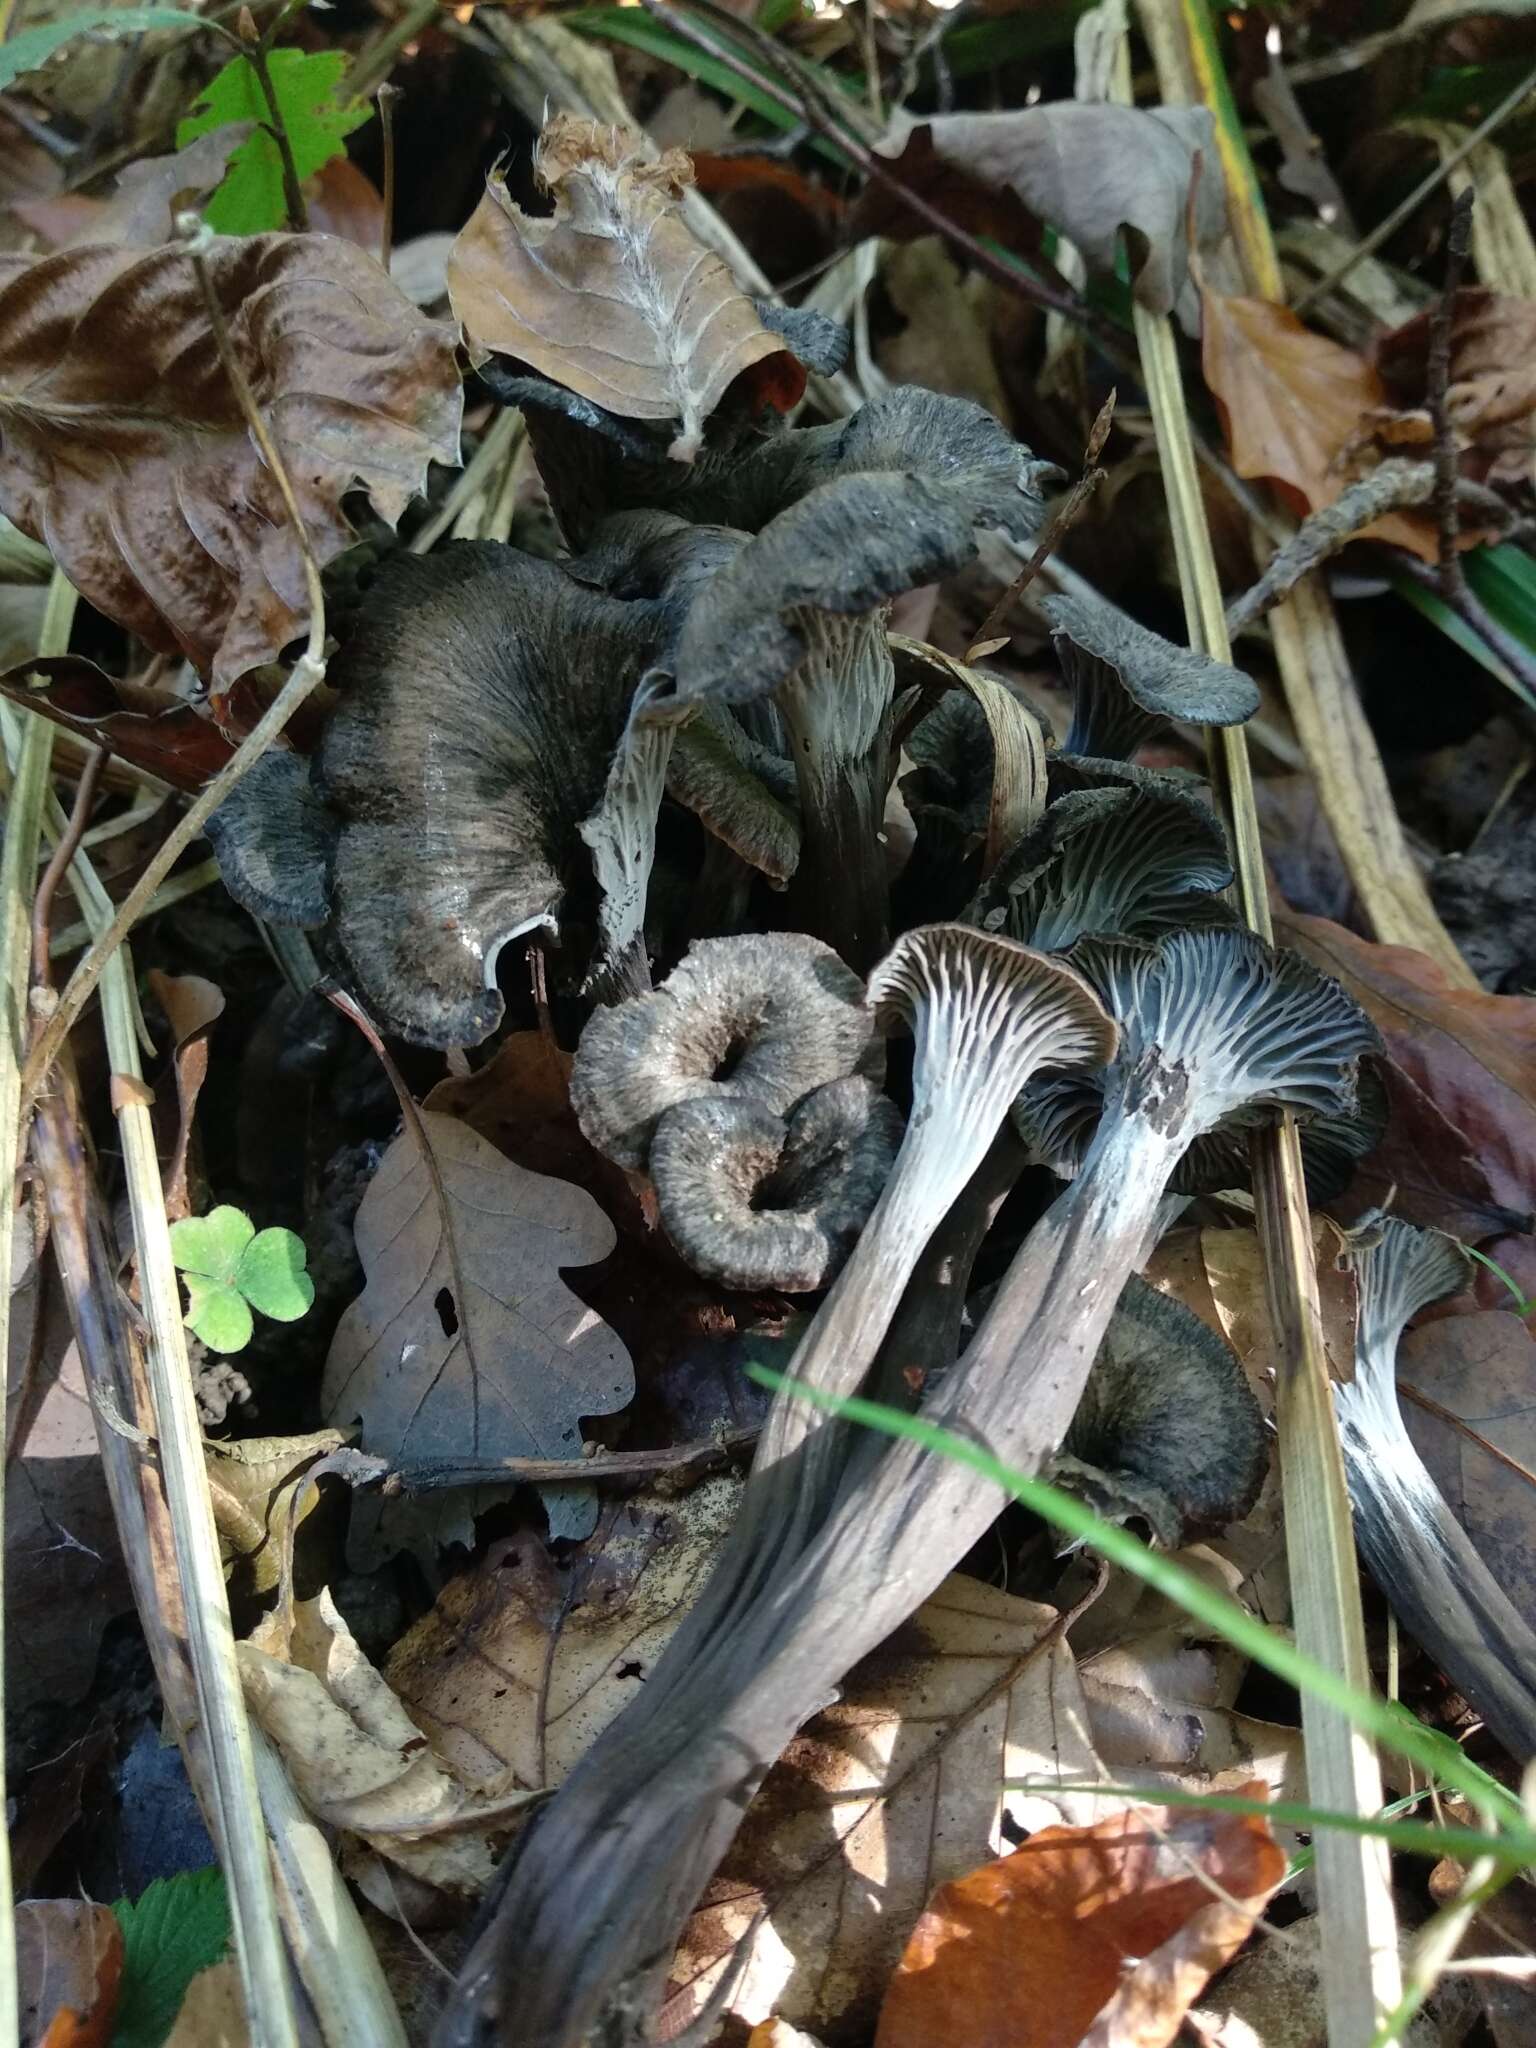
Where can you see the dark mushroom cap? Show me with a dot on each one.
(895, 501)
(275, 837)
(762, 1017)
(1135, 861)
(1129, 682)
(1217, 1028)
(484, 696)
(755, 1200)
(1169, 1419)
(951, 781)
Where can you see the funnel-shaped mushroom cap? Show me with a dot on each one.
(763, 1017)
(275, 838)
(1332, 1146)
(1129, 683)
(908, 484)
(755, 1200)
(1403, 1270)
(974, 1002)
(1135, 861)
(952, 779)
(1215, 1028)
(484, 695)
(1169, 1419)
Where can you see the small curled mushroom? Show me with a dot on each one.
(764, 1017)
(756, 1200)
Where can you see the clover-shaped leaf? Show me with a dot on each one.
(231, 1267)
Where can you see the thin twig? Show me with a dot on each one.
(308, 673)
(386, 97)
(1418, 195)
(427, 1475)
(293, 192)
(1389, 487)
(1437, 387)
(989, 635)
(63, 854)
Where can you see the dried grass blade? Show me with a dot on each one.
(1361, 1969)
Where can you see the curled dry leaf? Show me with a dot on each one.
(1491, 394)
(148, 728)
(122, 444)
(260, 1489)
(1098, 1935)
(1094, 171)
(612, 296)
(466, 1343)
(192, 1007)
(1297, 409)
(69, 1963)
(358, 1760)
(1460, 1078)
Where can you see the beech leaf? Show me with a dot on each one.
(122, 442)
(1295, 407)
(466, 1342)
(1099, 1935)
(611, 295)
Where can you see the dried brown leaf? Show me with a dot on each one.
(141, 211)
(1125, 1922)
(69, 1962)
(466, 1343)
(122, 443)
(896, 1788)
(1491, 393)
(1296, 408)
(611, 295)
(192, 1007)
(1094, 171)
(212, 2013)
(1460, 1076)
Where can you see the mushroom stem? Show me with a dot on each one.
(837, 708)
(1417, 1552)
(621, 833)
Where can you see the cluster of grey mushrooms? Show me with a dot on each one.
(670, 759)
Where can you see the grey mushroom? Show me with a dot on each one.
(1129, 683)
(755, 1200)
(1416, 1549)
(763, 1017)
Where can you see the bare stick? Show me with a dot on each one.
(386, 97)
(308, 673)
(1447, 520)
(989, 635)
(255, 49)
(63, 854)
(1389, 486)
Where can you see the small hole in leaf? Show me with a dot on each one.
(447, 1314)
(630, 1670)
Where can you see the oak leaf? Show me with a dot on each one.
(611, 295)
(1297, 408)
(1099, 1935)
(466, 1343)
(122, 444)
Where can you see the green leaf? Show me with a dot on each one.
(230, 1268)
(250, 200)
(179, 1926)
(272, 1278)
(218, 1313)
(34, 46)
(212, 1244)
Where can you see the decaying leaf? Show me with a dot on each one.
(147, 728)
(358, 1760)
(466, 1342)
(1491, 394)
(1094, 171)
(142, 208)
(261, 1492)
(1479, 1436)
(897, 1787)
(121, 440)
(1297, 409)
(1460, 1077)
(1101, 1935)
(192, 1007)
(212, 2014)
(611, 295)
(513, 1675)
(69, 1963)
